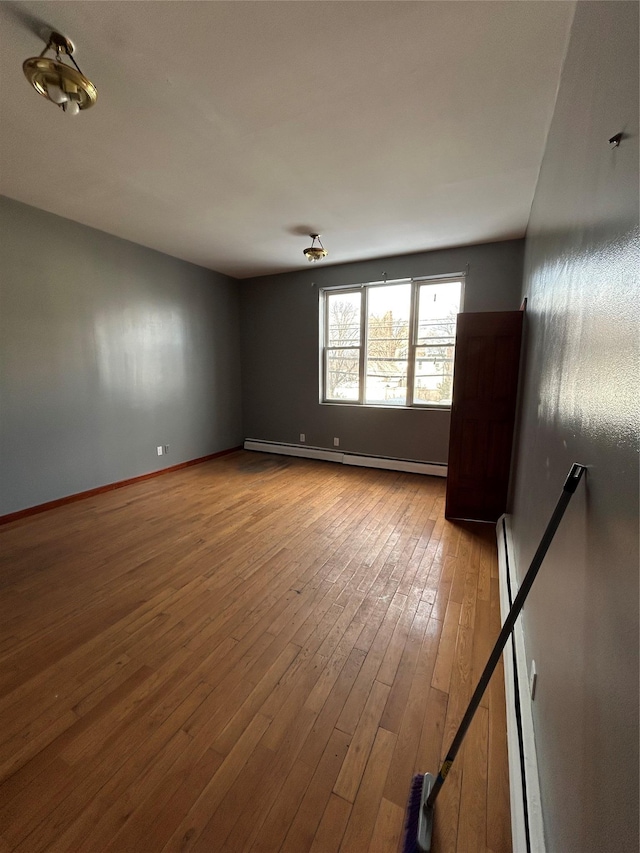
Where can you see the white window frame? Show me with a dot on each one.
(363, 289)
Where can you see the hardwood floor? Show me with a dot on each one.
(253, 654)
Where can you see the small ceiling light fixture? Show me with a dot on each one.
(58, 82)
(315, 253)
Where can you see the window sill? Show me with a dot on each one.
(352, 405)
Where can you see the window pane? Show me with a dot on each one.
(438, 307)
(389, 387)
(343, 374)
(344, 319)
(388, 315)
(434, 375)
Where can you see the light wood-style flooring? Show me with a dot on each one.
(253, 654)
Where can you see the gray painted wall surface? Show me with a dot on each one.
(107, 350)
(280, 349)
(580, 404)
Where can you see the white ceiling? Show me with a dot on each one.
(225, 132)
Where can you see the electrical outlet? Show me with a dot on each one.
(336, 442)
(533, 680)
(159, 449)
(303, 437)
(166, 448)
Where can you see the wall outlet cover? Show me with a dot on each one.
(159, 450)
(336, 442)
(303, 437)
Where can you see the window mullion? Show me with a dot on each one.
(411, 353)
(363, 343)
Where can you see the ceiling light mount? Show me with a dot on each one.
(62, 84)
(60, 43)
(315, 253)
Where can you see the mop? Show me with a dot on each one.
(426, 787)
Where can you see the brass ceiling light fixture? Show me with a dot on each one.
(60, 83)
(315, 253)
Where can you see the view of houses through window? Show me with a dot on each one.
(391, 343)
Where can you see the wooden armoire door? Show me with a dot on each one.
(485, 387)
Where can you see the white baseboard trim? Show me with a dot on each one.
(434, 469)
(292, 450)
(527, 827)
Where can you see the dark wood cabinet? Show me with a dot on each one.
(485, 387)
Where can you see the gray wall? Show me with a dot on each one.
(580, 404)
(107, 350)
(280, 348)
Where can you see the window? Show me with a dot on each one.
(390, 343)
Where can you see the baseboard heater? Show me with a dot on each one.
(434, 469)
(526, 808)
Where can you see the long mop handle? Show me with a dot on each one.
(570, 485)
